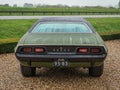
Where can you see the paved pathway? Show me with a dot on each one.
(38, 17)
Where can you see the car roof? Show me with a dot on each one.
(62, 19)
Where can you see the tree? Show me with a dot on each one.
(15, 5)
(6, 4)
(28, 5)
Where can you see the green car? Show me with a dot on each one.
(61, 42)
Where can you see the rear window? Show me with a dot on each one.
(62, 28)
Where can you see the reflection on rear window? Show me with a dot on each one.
(62, 28)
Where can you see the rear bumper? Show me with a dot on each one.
(47, 60)
(50, 58)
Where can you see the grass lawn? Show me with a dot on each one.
(12, 30)
(106, 25)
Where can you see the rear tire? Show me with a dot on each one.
(27, 71)
(96, 71)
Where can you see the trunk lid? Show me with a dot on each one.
(61, 39)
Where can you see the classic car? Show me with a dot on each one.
(61, 42)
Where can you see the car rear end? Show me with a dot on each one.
(70, 56)
(75, 45)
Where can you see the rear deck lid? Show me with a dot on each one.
(61, 39)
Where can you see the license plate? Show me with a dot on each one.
(61, 62)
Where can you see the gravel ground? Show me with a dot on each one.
(62, 79)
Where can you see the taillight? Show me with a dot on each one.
(39, 50)
(27, 50)
(95, 50)
(83, 50)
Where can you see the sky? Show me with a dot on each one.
(66, 2)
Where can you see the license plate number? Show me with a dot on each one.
(61, 62)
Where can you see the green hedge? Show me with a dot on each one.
(111, 37)
(9, 47)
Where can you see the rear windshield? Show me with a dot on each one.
(62, 28)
